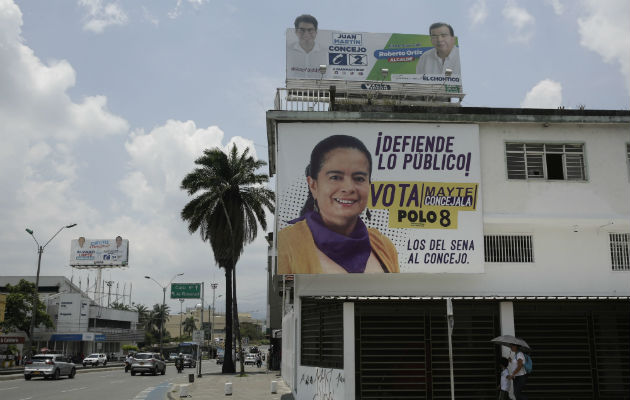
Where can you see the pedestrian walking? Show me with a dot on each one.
(504, 387)
(518, 374)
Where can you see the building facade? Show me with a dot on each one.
(556, 269)
(80, 325)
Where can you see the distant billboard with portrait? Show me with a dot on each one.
(378, 197)
(99, 252)
(362, 56)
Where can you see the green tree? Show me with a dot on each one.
(252, 331)
(157, 317)
(19, 308)
(120, 306)
(189, 325)
(227, 211)
(143, 313)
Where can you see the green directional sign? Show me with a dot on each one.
(185, 290)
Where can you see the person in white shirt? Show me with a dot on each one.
(517, 372)
(504, 389)
(444, 54)
(306, 55)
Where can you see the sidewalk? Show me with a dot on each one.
(254, 386)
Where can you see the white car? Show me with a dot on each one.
(49, 366)
(250, 359)
(95, 360)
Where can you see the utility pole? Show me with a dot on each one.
(214, 287)
(109, 291)
(204, 333)
(40, 250)
(181, 302)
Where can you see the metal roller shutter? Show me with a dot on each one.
(402, 350)
(581, 349)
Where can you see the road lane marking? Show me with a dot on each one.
(75, 389)
(9, 388)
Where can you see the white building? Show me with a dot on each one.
(80, 325)
(555, 186)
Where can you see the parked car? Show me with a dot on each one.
(220, 359)
(189, 361)
(49, 366)
(148, 362)
(250, 359)
(95, 359)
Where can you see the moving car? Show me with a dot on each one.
(250, 359)
(172, 357)
(148, 362)
(189, 361)
(95, 359)
(49, 366)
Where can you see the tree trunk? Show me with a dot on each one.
(228, 363)
(237, 326)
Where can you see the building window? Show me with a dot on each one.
(508, 248)
(545, 161)
(322, 334)
(620, 251)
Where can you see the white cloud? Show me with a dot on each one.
(41, 127)
(546, 94)
(478, 12)
(149, 17)
(100, 16)
(605, 30)
(522, 21)
(557, 5)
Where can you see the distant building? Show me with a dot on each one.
(80, 325)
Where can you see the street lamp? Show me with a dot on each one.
(181, 303)
(163, 302)
(40, 250)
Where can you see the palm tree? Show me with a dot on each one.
(157, 316)
(189, 325)
(143, 312)
(231, 201)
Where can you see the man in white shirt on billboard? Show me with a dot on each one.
(444, 54)
(306, 55)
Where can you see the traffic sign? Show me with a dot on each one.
(185, 290)
(197, 336)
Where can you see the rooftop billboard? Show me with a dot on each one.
(362, 56)
(378, 197)
(99, 252)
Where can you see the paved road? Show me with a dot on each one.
(98, 385)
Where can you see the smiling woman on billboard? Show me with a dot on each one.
(329, 236)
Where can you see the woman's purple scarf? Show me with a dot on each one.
(351, 252)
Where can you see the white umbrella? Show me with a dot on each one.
(508, 340)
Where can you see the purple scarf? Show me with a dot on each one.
(351, 252)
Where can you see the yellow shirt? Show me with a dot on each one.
(297, 252)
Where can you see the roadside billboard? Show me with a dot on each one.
(418, 210)
(362, 56)
(99, 252)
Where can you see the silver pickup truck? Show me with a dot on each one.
(49, 366)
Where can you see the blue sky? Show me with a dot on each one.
(104, 105)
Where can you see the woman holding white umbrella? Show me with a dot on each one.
(518, 373)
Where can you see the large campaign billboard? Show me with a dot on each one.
(362, 56)
(378, 197)
(99, 252)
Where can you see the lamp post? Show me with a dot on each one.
(181, 303)
(163, 302)
(40, 250)
(214, 287)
